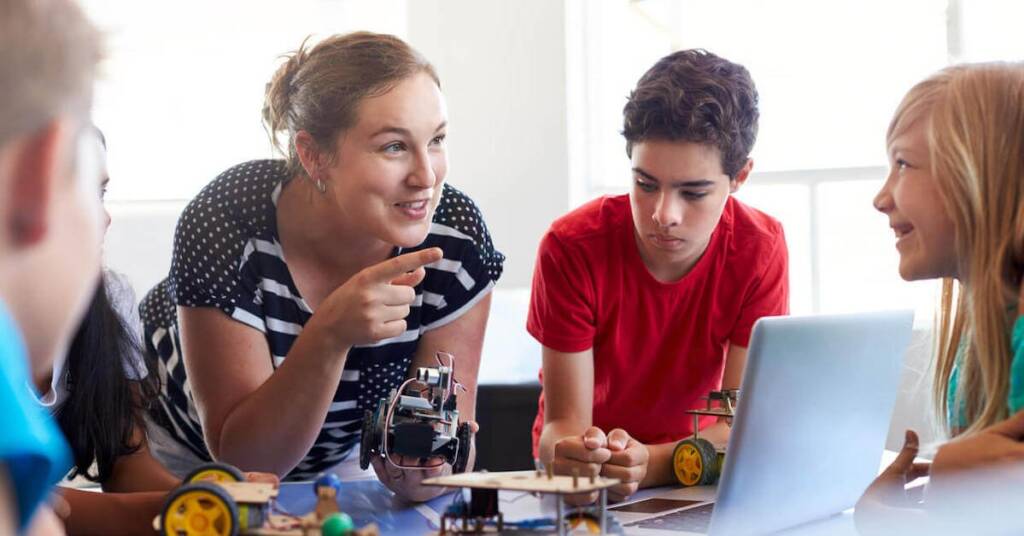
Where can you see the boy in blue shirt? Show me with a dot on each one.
(31, 446)
(50, 231)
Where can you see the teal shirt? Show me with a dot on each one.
(31, 446)
(1015, 396)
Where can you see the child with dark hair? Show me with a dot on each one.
(644, 303)
(102, 386)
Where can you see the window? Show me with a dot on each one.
(829, 75)
(187, 79)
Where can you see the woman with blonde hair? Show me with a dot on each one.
(955, 199)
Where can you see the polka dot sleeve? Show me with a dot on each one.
(470, 267)
(213, 231)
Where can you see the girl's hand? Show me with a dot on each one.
(372, 305)
(888, 488)
(879, 510)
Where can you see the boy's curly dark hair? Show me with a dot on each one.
(696, 96)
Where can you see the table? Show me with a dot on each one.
(369, 501)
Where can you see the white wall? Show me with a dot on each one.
(502, 68)
(138, 243)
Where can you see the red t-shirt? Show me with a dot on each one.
(658, 347)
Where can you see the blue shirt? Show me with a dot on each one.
(1015, 395)
(31, 445)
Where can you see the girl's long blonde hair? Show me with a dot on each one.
(973, 116)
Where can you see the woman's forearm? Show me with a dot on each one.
(273, 428)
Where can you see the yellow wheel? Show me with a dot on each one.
(686, 463)
(584, 522)
(215, 472)
(200, 509)
(695, 462)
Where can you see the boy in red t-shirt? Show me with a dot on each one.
(645, 303)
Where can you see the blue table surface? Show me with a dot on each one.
(366, 501)
(369, 501)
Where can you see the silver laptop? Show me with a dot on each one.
(810, 427)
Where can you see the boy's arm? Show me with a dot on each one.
(735, 362)
(659, 468)
(568, 398)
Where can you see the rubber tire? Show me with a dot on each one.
(366, 441)
(224, 469)
(465, 437)
(226, 500)
(712, 465)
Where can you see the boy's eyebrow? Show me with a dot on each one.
(698, 183)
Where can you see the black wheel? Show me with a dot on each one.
(366, 440)
(465, 437)
(712, 467)
(215, 472)
(199, 508)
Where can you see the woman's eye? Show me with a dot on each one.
(394, 147)
(438, 140)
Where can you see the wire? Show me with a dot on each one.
(449, 390)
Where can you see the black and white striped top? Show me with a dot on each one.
(227, 254)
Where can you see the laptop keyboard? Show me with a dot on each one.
(693, 520)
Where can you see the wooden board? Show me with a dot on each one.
(523, 481)
(249, 492)
(283, 521)
(713, 412)
(311, 528)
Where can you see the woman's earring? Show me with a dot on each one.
(321, 186)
